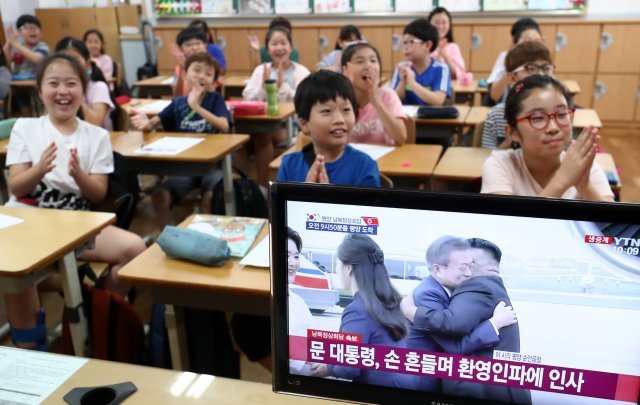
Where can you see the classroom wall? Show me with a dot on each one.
(628, 8)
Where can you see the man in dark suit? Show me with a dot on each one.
(450, 264)
(470, 305)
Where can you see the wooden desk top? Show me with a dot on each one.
(408, 160)
(454, 122)
(44, 236)
(153, 82)
(153, 267)
(286, 111)
(4, 144)
(161, 386)
(460, 88)
(584, 117)
(572, 85)
(212, 149)
(477, 115)
(461, 163)
(23, 83)
(235, 81)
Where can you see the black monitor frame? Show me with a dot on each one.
(280, 193)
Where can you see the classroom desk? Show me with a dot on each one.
(197, 160)
(157, 385)
(440, 128)
(31, 250)
(4, 188)
(463, 164)
(408, 161)
(24, 87)
(178, 283)
(465, 93)
(232, 86)
(153, 87)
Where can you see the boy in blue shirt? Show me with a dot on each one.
(327, 108)
(202, 111)
(421, 79)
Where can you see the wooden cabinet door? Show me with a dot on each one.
(236, 49)
(327, 37)
(486, 44)
(380, 37)
(586, 82)
(549, 37)
(619, 51)
(107, 23)
(615, 96)
(396, 47)
(165, 57)
(576, 48)
(637, 115)
(462, 37)
(58, 23)
(306, 40)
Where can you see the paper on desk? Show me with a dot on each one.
(410, 110)
(259, 255)
(374, 151)
(155, 107)
(7, 221)
(28, 377)
(169, 145)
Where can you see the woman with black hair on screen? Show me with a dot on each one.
(375, 312)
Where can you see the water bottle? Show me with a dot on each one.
(273, 108)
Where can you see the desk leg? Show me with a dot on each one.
(174, 318)
(4, 186)
(227, 182)
(73, 301)
(290, 133)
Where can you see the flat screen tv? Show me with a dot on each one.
(387, 296)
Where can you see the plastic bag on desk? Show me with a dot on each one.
(194, 246)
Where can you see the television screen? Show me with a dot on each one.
(454, 298)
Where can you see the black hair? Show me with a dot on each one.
(205, 58)
(381, 300)
(275, 29)
(423, 30)
(59, 56)
(488, 246)
(188, 33)
(295, 237)
(281, 22)
(521, 26)
(76, 45)
(98, 33)
(439, 10)
(522, 90)
(202, 25)
(27, 19)
(352, 49)
(346, 33)
(320, 87)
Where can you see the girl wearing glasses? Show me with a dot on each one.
(548, 163)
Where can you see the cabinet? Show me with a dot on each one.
(166, 58)
(306, 40)
(586, 82)
(486, 44)
(58, 23)
(619, 51)
(237, 51)
(615, 96)
(327, 37)
(380, 37)
(576, 48)
(462, 37)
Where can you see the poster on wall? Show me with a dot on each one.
(217, 7)
(292, 7)
(550, 4)
(331, 6)
(460, 5)
(177, 7)
(370, 6)
(412, 5)
(255, 7)
(503, 5)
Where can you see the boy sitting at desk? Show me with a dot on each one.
(421, 79)
(202, 111)
(327, 108)
(523, 60)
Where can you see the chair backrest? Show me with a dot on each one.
(385, 181)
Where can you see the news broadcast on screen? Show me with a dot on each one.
(505, 308)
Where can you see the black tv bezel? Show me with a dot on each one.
(280, 193)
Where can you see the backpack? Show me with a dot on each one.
(250, 202)
(116, 331)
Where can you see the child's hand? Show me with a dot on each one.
(576, 165)
(139, 120)
(317, 172)
(195, 95)
(254, 43)
(45, 165)
(583, 181)
(266, 72)
(279, 74)
(74, 163)
(373, 83)
(320, 370)
(12, 37)
(177, 52)
(409, 75)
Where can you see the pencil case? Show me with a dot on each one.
(194, 246)
(437, 112)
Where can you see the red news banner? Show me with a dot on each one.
(345, 349)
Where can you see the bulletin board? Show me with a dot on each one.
(220, 8)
